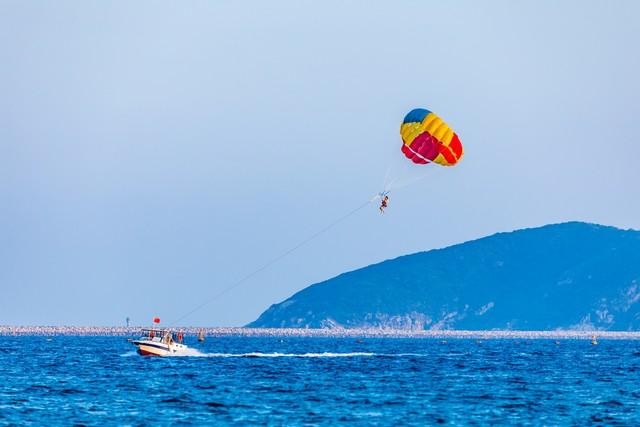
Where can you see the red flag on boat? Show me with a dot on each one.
(156, 320)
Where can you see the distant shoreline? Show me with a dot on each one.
(319, 333)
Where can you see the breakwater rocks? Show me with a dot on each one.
(318, 333)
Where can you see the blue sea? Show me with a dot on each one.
(320, 381)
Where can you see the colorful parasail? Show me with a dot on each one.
(427, 139)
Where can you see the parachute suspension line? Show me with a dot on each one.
(397, 184)
(386, 178)
(274, 260)
(389, 185)
(388, 181)
(411, 181)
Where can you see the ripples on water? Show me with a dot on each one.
(98, 380)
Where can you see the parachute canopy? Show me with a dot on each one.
(427, 139)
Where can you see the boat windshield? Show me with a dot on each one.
(163, 335)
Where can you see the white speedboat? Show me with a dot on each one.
(160, 342)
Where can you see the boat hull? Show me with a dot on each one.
(154, 348)
(143, 352)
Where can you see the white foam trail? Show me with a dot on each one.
(275, 355)
(195, 353)
(306, 355)
(191, 352)
(129, 354)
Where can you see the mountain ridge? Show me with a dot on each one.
(570, 275)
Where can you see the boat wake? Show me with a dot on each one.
(191, 352)
(300, 355)
(196, 353)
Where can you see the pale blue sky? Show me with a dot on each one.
(152, 153)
